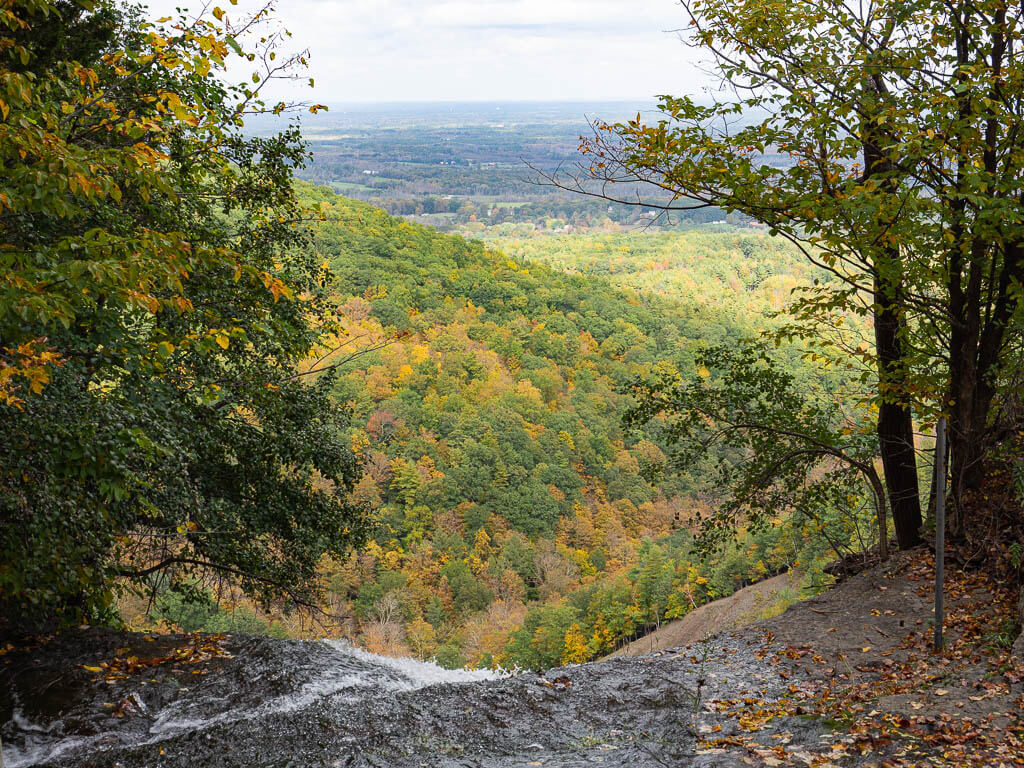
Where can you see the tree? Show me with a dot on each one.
(778, 448)
(883, 139)
(540, 643)
(156, 297)
(653, 583)
(576, 650)
(421, 638)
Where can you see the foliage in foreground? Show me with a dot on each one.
(156, 293)
(902, 123)
(777, 445)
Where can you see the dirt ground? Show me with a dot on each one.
(739, 609)
(861, 655)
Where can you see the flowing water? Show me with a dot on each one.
(301, 704)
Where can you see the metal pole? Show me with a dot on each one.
(940, 525)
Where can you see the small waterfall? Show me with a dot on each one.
(267, 703)
(275, 678)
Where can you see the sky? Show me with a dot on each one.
(483, 50)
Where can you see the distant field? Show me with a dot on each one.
(348, 186)
(452, 165)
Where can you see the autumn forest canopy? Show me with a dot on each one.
(715, 348)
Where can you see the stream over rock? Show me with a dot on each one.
(285, 703)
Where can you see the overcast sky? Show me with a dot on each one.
(485, 50)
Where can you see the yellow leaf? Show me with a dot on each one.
(92, 669)
(223, 340)
(218, 13)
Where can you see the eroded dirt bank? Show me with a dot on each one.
(740, 609)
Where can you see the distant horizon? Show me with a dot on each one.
(398, 104)
(402, 102)
(401, 51)
(449, 112)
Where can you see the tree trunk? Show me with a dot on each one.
(880, 515)
(895, 418)
(971, 394)
(895, 421)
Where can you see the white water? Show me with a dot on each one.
(419, 673)
(37, 753)
(358, 673)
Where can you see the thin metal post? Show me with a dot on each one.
(940, 525)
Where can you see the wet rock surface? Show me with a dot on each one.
(847, 678)
(280, 703)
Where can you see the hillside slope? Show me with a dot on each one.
(515, 521)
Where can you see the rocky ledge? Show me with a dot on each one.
(844, 679)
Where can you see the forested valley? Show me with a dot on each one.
(517, 522)
(371, 430)
(520, 523)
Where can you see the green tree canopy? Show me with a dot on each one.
(883, 139)
(156, 293)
